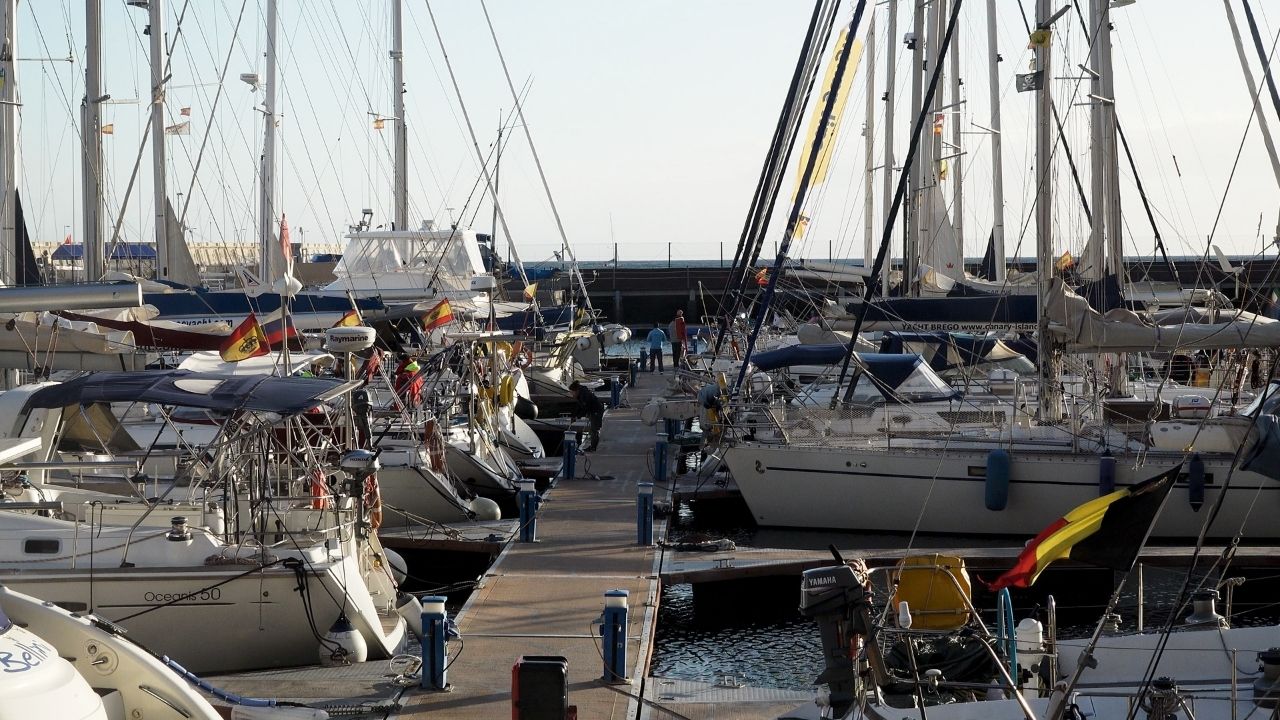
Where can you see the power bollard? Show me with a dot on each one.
(660, 460)
(434, 657)
(644, 514)
(614, 635)
(615, 392)
(527, 499)
(634, 369)
(569, 457)
(673, 427)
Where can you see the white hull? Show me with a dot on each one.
(876, 490)
(420, 493)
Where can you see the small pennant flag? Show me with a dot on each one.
(182, 128)
(1039, 38)
(109, 129)
(438, 316)
(246, 341)
(67, 239)
(185, 112)
(378, 123)
(530, 291)
(762, 277)
(350, 319)
(1029, 82)
(938, 120)
(286, 246)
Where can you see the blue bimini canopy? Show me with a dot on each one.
(283, 395)
(119, 251)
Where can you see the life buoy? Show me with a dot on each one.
(435, 445)
(373, 501)
(320, 497)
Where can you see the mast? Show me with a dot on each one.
(158, 79)
(869, 150)
(1050, 358)
(956, 172)
(932, 150)
(497, 167)
(1119, 376)
(1093, 265)
(889, 87)
(401, 190)
(997, 157)
(911, 252)
(91, 135)
(1253, 91)
(267, 172)
(8, 147)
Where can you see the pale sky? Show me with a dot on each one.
(651, 120)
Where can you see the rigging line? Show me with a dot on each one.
(204, 142)
(776, 160)
(537, 161)
(873, 281)
(800, 195)
(484, 169)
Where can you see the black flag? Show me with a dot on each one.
(1029, 81)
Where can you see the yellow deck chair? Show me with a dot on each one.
(937, 602)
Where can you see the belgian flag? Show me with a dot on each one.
(1108, 532)
(246, 341)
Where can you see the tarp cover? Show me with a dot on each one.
(889, 370)
(286, 396)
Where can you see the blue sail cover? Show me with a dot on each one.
(264, 393)
(951, 314)
(791, 355)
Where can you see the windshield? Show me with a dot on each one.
(1256, 405)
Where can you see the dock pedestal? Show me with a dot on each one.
(527, 500)
(434, 656)
(644, 513)
(614, 634)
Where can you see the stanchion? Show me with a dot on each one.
(434, 656)
(615, 392)
(644, 514)
(614, 635)
(634, 370)
(569, 458)
(660, 460)
(527, 500)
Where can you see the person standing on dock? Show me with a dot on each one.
(590, 407)
(656, 337)
(679, 336)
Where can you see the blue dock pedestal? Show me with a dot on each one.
(434, 657)
(615, 392)
(644, 513)
(660, 460)
(569, 455)
(634, 370)
(613, 631)
(527, 500)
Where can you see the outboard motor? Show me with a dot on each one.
(361, 411)
(839, 598)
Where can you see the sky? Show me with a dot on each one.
(651, 120)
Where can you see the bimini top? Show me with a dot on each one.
(947, 351)
(283, 395)
(878, 377)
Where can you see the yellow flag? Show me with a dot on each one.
(378, 123)
(1064, 262)
(530, 291)
(109, 129)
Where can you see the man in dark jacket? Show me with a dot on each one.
(590, 407)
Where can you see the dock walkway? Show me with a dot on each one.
(544, 598)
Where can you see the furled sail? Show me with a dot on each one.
(182, 268)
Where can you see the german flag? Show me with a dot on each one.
(438, 316)
(246, 341)
(350, 319)
(1108, 532)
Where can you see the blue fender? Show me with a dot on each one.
(997, 490)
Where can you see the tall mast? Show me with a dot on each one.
(869, 150)
(8, 145)
(266, 202)
(889, 86)
(932, 150)
(1050, 360)
(1111, 158)
(156, 10)
(1093, 265)
(911, 251)
(497, 168)
(956, 172)
(91, 135)
(1253, 91)
(997, 158)
(401, 133)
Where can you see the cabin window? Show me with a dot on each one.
(978, 471)
(42, 546)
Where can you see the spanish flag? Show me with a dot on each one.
(1107, 531)
(438, 316)
(1064, 262)
(530, 291)
(246, 341)
(350, 319)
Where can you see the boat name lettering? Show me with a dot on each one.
(209, 594)
(23, 656)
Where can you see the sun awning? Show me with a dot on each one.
(283, 395)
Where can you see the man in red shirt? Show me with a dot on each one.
(679, 337)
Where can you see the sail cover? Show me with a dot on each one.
(283, 395)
